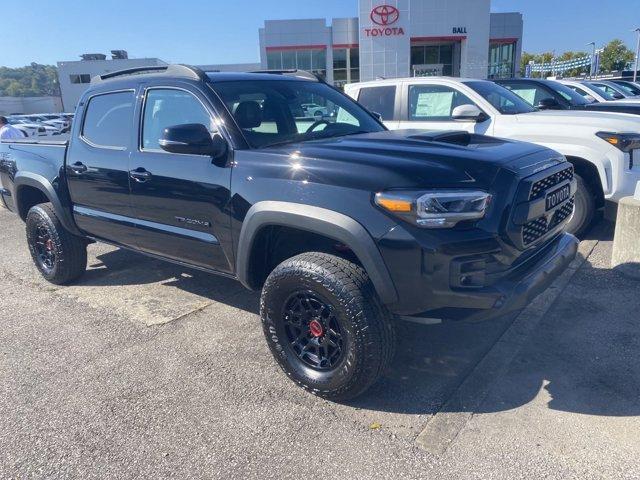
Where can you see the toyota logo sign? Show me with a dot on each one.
(384, 15)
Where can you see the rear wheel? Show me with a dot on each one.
(584, 210)
(59, 256)
(325, 326)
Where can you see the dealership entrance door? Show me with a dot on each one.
(434, 58)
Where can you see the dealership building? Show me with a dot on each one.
(399, 38)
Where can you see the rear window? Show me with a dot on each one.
(380, 100)
(108, 119)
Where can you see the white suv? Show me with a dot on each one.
(603, 147)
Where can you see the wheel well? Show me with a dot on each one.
(27, 197)
(273, 244)
(590, 174)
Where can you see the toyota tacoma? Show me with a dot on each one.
(346, 228)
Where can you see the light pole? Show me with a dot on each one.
(635, 70)
(593, 56)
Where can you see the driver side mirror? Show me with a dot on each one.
(193, 139)
(548, 103)
(617, 96)
(468, 113)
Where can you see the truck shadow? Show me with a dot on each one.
(583, 356)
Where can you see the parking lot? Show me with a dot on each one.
(149, 369)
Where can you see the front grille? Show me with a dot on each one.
(539, 227)
(539, 188)
(562, 214)
(534, 229)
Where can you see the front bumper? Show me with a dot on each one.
(515, 291)
(425, 278)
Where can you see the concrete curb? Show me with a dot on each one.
(446, 424)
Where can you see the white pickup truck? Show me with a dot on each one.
(603, 147)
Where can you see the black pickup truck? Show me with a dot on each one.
(346, 227)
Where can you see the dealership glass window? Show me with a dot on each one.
(109, 119)
(354, 65)
(166, 107)
(433, 55)
(80, 78)
(434, 103)
(314, 60)
(380, 100)
(501, 60)
(346, 66)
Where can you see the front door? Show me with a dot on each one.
(430, 107)
(179, 201)
(97, 168)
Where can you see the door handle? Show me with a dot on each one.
(78, 168)
(140, 174)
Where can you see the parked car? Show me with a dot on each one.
(315, 110)
(344, 226)
(27, 130)
(602, 146)
(629, 86)
(552, 95)
(617, 91)
(38, 129)
(594, 93)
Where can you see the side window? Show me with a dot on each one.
(578, 90)
(381, 100)
(108, 120)
(530, 93)
(166, 107)
(606, 88)
(434, 103)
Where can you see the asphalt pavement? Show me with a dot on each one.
(145, 369)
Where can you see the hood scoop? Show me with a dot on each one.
(456, 137)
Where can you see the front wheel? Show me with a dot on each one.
(60, 256)
(325, 326)
(584, 210)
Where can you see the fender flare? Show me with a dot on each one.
(41, 183)
(318, 220)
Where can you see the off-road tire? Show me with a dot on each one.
(70, 251)
(369, 334)
(584, 210)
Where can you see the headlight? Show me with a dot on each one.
(435, 209)
(623, 141)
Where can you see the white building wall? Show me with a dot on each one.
(27, 105)
(383, 55)
(438, 18)
(71, 92)
(509, 25)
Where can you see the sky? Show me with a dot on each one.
(216, 31)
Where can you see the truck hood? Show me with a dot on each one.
(568, 119)
(408, 158)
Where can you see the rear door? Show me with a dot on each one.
(97, 166)
(429, 106)
(179, 201)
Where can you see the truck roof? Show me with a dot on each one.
(194, 73)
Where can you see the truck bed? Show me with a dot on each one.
(41, 158)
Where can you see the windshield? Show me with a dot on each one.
(573, 97)
(600, 91)
(630, 88)
(273, 112)
(503, 100)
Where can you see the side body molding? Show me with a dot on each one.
(325, 222)
(41, 183)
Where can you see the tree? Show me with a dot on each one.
(615, 56)
(34, 80)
